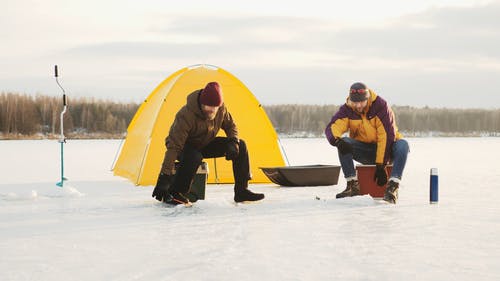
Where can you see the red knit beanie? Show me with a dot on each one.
(211, 95)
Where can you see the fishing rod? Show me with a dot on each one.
(62, 138)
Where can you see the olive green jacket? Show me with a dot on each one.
(192, 127)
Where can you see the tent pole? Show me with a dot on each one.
(215, 168)
(117, 152)
(284, 152)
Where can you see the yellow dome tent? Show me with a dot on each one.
(142, 153)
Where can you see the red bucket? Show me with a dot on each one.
(366, 183)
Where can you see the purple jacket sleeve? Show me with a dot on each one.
(337, 125)
(386, 131)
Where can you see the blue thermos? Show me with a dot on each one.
(434, 187)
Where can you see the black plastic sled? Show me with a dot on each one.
(309, 175)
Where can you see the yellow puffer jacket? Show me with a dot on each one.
(376, 124)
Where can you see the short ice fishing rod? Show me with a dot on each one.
(62, 138)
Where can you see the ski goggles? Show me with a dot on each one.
(357, 95)
(358, 91)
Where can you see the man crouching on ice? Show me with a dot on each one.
(373, 139)
(192, 137)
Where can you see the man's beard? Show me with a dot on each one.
(210, 115)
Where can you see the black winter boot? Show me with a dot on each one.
(176, 198)
(352, 189)
(242, 195)
(391, 192)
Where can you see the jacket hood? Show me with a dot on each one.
(193, 104)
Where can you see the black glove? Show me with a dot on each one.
(343, 146)
(232, 149)
(162, 186)
(380, 175)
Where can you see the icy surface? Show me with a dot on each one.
(101, 227)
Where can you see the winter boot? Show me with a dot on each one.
(352, 189)
(243, 194)
(176, 198)
(391, 192)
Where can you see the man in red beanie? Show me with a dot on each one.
(192, 137)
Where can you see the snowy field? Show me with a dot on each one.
(101, 227)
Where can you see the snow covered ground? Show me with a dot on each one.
(101, 227)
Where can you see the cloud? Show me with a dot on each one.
(450, 51)
(452, 33)
(198, 36)
(436, 35)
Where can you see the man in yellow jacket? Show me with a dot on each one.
(373, 139)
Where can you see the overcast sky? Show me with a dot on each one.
(437, 53)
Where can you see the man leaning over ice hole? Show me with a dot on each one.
(373, 139)
(192, 137)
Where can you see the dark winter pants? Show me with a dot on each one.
(190, 158)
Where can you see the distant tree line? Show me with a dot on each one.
(300, 120)
(25, 116)
(311, 120)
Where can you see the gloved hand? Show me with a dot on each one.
(232, 149)
(343, 146)
(162, 186)
(380, 175)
